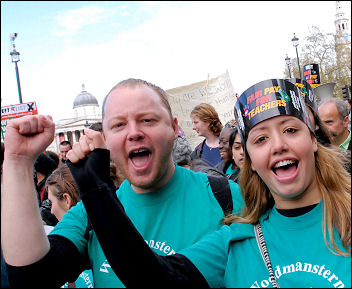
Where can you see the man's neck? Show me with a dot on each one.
(341, 139)
(163, 180)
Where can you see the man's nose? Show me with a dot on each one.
(134, 132)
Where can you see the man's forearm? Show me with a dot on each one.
(23, 239)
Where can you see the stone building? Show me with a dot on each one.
(86, 111)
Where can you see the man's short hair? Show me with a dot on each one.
(340, 104)
(132, 82)
(65, 143)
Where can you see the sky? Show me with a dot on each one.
(64, 44)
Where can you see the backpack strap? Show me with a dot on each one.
(222, 192)
(199, 149)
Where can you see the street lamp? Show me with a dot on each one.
(295, 44)
(15, 57)
(288, 62)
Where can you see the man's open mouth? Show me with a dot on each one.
(140, 157)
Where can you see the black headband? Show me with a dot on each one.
(267, 99)
(307, 92)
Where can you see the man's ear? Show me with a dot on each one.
(175, 127)
(345, 122)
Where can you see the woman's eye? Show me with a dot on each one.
(260, 139)
(291, 130)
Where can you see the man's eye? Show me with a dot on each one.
(118, 125)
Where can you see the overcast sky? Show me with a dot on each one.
(65, 44)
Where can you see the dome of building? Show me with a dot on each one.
(84, 98)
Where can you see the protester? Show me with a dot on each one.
(173, 207)
(237, 154)
(4, 280)
(181, 152)
(334, 114)
(347, 100)
(295, 230)
(54, 156)
(63, 194)
(64, 148)
(206, 123)
(43, 167)
(227, 165)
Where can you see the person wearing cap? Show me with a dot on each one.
(294, 231)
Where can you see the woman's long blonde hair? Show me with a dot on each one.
(334, 183)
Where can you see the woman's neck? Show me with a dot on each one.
(310, 196)
(212, 141)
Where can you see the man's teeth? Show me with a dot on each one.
(283, 163)
(140, 151)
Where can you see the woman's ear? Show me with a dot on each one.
(67, 200)
(315, 144)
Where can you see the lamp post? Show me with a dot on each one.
(15, 57)
(288, 62)
(295, 44)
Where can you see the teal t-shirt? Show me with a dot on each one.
(230, 171)
(170, 219)
(299, 256)
(84, 280)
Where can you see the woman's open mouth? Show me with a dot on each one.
(285, 169)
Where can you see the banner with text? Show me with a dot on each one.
(14, 111)
(184, 98)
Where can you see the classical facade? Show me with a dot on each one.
(86, 111)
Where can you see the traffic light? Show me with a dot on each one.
(345, 92)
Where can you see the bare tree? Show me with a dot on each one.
(332, 52)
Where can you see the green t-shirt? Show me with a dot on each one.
(170, 219)
(346, 143)
(296, 247)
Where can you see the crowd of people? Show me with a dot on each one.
(263, 201)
